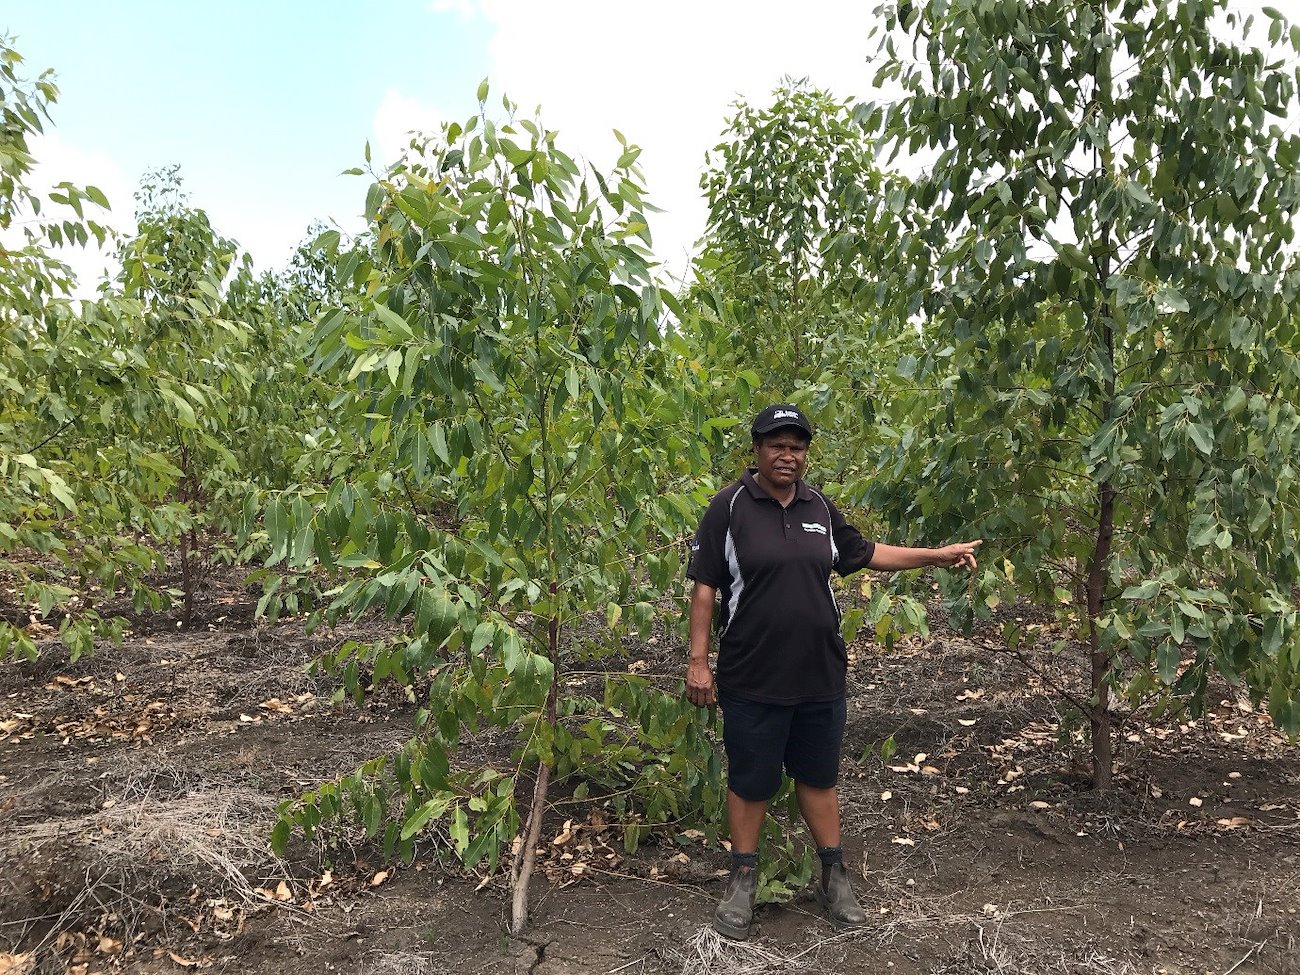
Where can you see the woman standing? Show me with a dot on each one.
(767, 544)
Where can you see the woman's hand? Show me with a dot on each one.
(700, 690)
(699, 678)
(956, 556)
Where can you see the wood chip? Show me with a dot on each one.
(1236, 822)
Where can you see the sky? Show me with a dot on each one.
(264, 104)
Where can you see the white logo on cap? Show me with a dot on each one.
(785, 414)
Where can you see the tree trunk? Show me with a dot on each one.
(1099, 659)
(189, 543)
(522, 871)
(194, 573)
(187, 582)
(528, 852)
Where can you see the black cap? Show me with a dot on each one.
(778, 417)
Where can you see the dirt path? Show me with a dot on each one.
(137, 789)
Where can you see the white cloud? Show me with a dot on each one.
(265, 221)
(666, 79)
(263, 225)
(58, 161)
(396, 118)
(466, 8)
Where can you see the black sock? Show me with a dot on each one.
(739, 860)
(830, 855)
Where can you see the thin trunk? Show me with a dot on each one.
(187, 584)
(195, 570)
(1099, 659)
(522, 872)
(795, 327)
(189, 544)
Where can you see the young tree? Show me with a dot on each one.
(784, 304)
(788, 302)
(52, 365)
(520, 429)
(788, 184)
(1109, 382)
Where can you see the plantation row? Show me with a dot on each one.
(1072, 336)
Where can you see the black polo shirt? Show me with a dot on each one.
(779, 628)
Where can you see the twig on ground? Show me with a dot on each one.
(1241, 961)
(634, 961)
(694, 891)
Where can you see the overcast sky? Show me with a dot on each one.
(263, 104)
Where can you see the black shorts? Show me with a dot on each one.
(761, 739)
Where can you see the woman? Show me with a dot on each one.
(767, 544)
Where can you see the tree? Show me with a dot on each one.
(1108, 385)
(788, 302)
(51, 363)
(172, 450)
(135, 422)
(788, 184)
(519, 430)
(784, 304)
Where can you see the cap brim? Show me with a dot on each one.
(783, 425)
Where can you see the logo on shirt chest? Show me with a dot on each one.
(812, 526)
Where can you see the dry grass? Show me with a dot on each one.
(993, 951)
(214, 838)
(709, 953)
(217, 831)
(402, 963)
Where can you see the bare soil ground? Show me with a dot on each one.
(137, 790)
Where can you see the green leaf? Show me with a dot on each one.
(1167, 662)
(1076, 258)
(459, 831)
(1202, 436)
(483, 636)
(1143, 590)
(423, 814)
(280, 836)
(1173, 299)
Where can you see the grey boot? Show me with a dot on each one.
(835, 895)
(734, 912)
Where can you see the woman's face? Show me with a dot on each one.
(781, 457)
